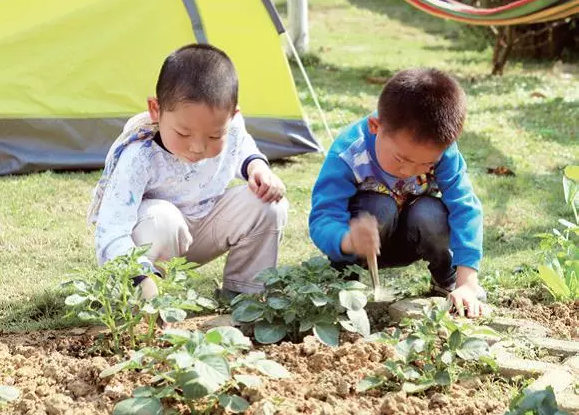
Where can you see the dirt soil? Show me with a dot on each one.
(562, 319)
(56, 377)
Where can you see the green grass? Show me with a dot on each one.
(44, 238)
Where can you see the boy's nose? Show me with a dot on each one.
(198, 147)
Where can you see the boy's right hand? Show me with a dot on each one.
(149, 289)
(363, 238)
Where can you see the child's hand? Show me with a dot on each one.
(266, 185)
(466, 303)
(363, 238)
(149, 289)
(465, 296)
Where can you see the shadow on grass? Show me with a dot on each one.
(42, 311)
(553, 120)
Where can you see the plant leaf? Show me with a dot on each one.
(139, 406)
(192, 387)
(305, 325)
(175, 335)
(8, 393)
(251, 381)
(442, 378)
(348, 325)
(354, 285)
(278, 303)
(319, 300)
(412, 344)
(172, 315)
(411, 388)
(369, 382)
(214, 337)
(554, 282)
(232, 337)
(490, 361)
(289, 316)
(149, 309)
(74, 300)
(213, 372)
(144, 392)
(473, 348)
(446, 357)
(327, 333)
(352, 300)
(271, 369)
(233, 403)
(309, 289)
(455, 339)
(182, 359)
(88, 315)
(247, 311)
(115, 369)
(360, 321)
(207, 303)
(267, 333)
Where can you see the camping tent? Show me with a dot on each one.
(73, 71)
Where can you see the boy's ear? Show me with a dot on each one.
(373, 125)
(153, 106)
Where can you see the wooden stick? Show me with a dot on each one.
(373, 268)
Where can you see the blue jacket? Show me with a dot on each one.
(351, 162)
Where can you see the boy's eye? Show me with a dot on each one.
(181, 134)
(215, 138)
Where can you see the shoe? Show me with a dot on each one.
(225, 296)
(437, 290)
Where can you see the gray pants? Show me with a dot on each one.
(240, 224)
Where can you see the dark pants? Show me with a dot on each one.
(419, 231)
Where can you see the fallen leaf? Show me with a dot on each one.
(500, 171)
(377, 80)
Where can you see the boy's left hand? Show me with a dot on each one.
(464, 297)
(266, 185)
(465, 301)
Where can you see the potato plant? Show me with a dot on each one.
(300, 299)
(561, 272)
(109, 298)
(540, 402)
(437, 351)
(198, 369)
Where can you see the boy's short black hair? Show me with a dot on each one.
(428, 103)
(200, 74)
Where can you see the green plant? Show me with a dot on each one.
(561, 272)
(437, 351)
(541, 402)
(311, 297)
(197, 369)
(108, 297)
(8, 394)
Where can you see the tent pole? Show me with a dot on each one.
(311, 89)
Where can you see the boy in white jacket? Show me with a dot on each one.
(166, 178)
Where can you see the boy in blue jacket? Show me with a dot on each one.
(403, 167)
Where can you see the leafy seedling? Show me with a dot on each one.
(198, 369)
(298, 300)
(437, 351)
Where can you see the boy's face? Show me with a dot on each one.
(400, 155)
(191, 131)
